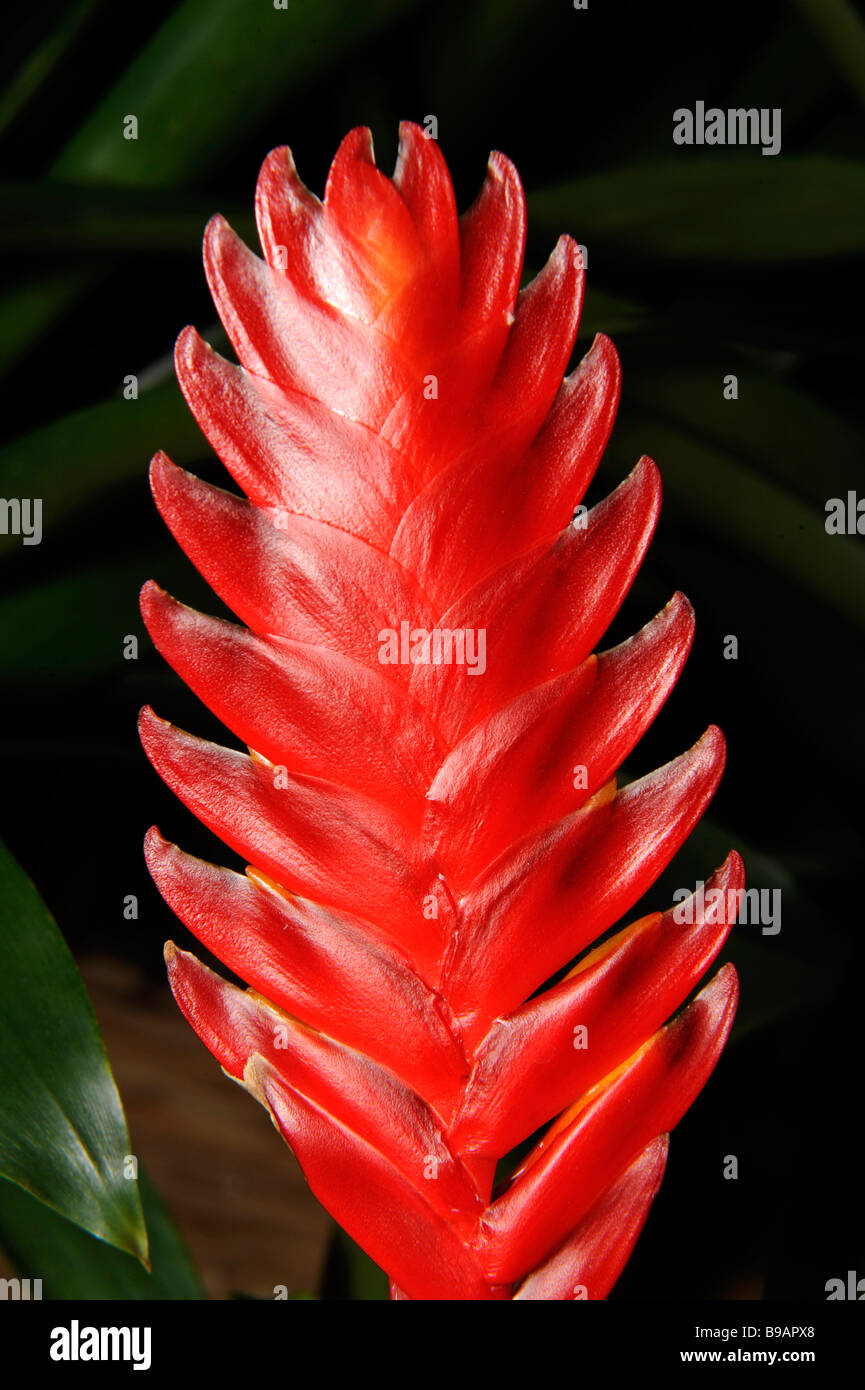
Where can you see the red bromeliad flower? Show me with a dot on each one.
(428, 806)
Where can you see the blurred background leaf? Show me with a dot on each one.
(350, 1274)
(723, 207)
(73, 460)
(839, 28)
(59, 219)
(40, 64)
(208, 74)
(213, 69)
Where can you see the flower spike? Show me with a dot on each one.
(426, 796)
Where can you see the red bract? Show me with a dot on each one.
(428, 806)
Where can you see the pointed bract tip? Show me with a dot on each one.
(679, 603)
(652, 1161)
(722, 992)
(661, 1144)
(503, 172)
(645, 467)
(161, 468)
(566, 255)
(280, 160)
(603, 349)
(148, 723)
(188, 344)
(155, 846)
(729, 874)
(149, 594)
(710, 752)
(713, 739)
(502, 167)
(356, 145)
(734, 865)
(409, 131)
(217, 226)
(165, 476)
(257, 1079)
(216, 233)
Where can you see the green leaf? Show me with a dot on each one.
(63, 1135)
(709, 844)
(71, 1264)
(32, 306)
(776, 979)
(725, 208)
(70, 627)
(772, 76)
(73, 459)
(485, 39)
(64, 219)
(819, 456)
(610, 314)
(773, 983)
(730, 499)
(210, 72)
(842, 33)
(39, 66)
(73, 627)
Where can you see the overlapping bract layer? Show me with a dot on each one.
(429, 844)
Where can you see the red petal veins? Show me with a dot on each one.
(315, 839)
(492, 239)
(390, 1216)
(236, 1026)
(288, 217)
(282, 336)
(503, 499)
(543, 614)
(328, 969)
(289, 577)
(568, 1170)
(315, 712)
(535, 1062)
(555, 746)
(592, 1258)
(541, 905)
(366, 215)
(545, 326)
(286, 449)
(424, 181)
(428, 805)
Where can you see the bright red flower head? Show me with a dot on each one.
(428, 806)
